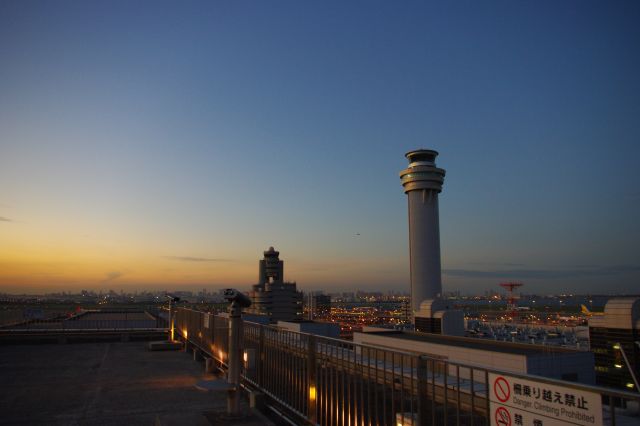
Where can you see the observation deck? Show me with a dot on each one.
(304, 378)
(422, 172)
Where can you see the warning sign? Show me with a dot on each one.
(502, 416)
(523, 402)
(501, 389)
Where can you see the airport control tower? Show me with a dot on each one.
(422, 182)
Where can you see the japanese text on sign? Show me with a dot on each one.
(536, 403)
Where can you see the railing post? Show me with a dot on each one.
(312, 389)
(260, 358)
(235, 358)
(172, 321)
(487, 396)
(423, 383)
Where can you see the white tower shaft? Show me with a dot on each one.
(424, 246)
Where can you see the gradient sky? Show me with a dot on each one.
(165, 145)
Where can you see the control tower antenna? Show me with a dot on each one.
(511, 297)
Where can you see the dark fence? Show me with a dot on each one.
(326, 381)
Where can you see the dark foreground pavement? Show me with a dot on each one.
(103, 384)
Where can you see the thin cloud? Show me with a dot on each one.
(195, 259)
(5, 219)
(111, 276)
(496, 264)
(544, 273)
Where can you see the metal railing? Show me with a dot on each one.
(326, 381)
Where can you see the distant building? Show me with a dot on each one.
(614, 336)
(272, 296)
(318, 305)
(322, 304)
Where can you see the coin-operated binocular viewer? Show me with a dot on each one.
(237, 301)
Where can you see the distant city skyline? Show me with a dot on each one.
(153, 145)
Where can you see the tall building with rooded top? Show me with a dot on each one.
(273, 296)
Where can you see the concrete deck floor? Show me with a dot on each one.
(103, 384)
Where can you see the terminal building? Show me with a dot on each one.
(272, 296)
(615, 342)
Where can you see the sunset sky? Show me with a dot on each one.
(165, 145)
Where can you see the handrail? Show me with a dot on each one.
(326, 380)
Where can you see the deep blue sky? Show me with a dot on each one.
(149, 144)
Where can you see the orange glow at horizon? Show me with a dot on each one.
(63, 268)
(41, 256)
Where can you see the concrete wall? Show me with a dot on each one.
(327, 329)
(581, 364)
(494, 360)
(552, 365)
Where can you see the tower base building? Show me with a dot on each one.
(435, 317)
